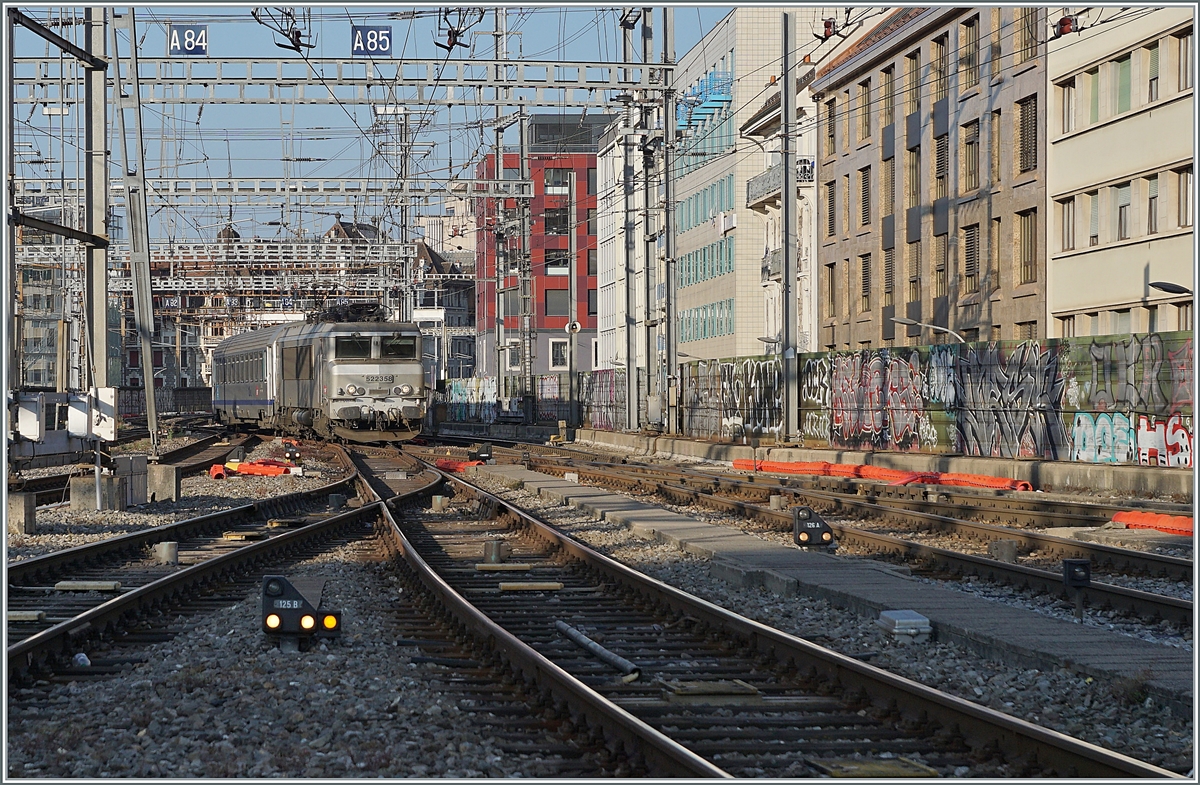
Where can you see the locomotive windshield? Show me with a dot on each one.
(352, 348)
(403, 347)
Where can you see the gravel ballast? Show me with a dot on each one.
(1117, 716)
(220, 701)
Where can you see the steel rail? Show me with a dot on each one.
(1107, 556)
(41, 568)
(638, 737)
(982, 727)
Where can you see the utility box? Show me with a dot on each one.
(31, 418)
(905, 626)
(22, 511)
(163, 483)
(112, 493)
(133, 469)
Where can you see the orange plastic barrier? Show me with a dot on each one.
(217, 471)
(1170, 524)
(263, 469)
(883, 474)
(454, 466)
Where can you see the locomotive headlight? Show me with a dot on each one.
(406, 389)
(351, 389)
(397, 390)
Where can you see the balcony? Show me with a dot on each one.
(769, 184)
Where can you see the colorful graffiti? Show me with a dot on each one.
(471, 400)
(732, 398)
(1113, 399)
(602, 399)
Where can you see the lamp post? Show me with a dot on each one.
(934, 327)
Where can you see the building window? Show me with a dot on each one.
(591, 181)
(1094, 219)
(940, 249)
(941, 66)
(1093, 96)
(1066, 327)
(1184, 180)
(1066, 97)
(830, 205)
(592, 264)
(970, 258)
(135, 358)
(846, 202)
(994, 253)
(1152, 205)
(831, 289)
(513, 350)
(889, 275)
(864, 267)
(864, 195)
(558, 354)
(994, 133)
(558, 262)
(556, 179)
(1152, 73)
(968, 53)
(1067, 210)
(557, 302)
(1027, 33)
(864, 110)
(941, 166)
(913, 271)
(1025, 331)
(1123, 71)
(888, 197)
(887, 99)
(1027, 245)
(970, 155)
(557, 219)
(830, 126)
(1027, 134)
(1185, 61)
(912, 184)
(591, 221)
(156, 357)
(1123, 196)
(912, 82)
(846, 115)
(593, 303)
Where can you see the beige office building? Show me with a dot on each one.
(1120, 176)
(931, 179)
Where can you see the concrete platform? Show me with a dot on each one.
(993, 630)
(1134, 539)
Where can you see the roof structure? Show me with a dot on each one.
(889, 25)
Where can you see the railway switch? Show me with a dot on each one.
(809, 530)
(292, 610)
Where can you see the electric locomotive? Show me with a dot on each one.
(355, 381)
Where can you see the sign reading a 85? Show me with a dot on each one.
(370, 41)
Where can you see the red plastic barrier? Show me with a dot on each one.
(454, 466)
(883, 474)
(217, 471)
(1170, 524)
(263, 468)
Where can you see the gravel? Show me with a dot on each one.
(220, 701)
(61, 527)
(1117, 716)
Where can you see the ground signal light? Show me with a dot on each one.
(809, 530)
(286, 612)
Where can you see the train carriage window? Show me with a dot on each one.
(352, 347)
(297, 362)
(403, 347)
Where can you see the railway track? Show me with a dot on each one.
(718, 493)
(748, 698)
(58, 600)
(191, 458)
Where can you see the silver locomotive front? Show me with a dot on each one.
(375, 385)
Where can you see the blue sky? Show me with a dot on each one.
(249, 141)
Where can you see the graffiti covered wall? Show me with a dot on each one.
(1100, 399)
(732, 398)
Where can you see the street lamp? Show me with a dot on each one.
(1169, 288)
(934, 327)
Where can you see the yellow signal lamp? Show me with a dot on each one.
(273, 621)
(307, 622)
